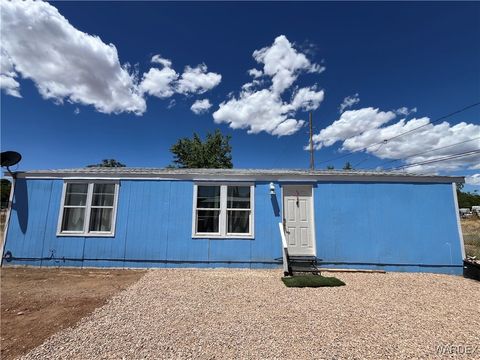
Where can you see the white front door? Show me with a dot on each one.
(298, 219)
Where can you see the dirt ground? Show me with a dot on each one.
(471, 236)
(37, 302)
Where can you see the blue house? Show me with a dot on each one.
(143, 217)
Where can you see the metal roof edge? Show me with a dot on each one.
(251, 175)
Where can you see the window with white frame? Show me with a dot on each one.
(223, 210)
(88, 208)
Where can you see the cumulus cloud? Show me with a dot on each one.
(259, 105)
(166, 82)
(348, 102)
(197, 80)
(157, 59)
(405, 111)
(284, 63)
(201, 106)
(350, 123)
(473, 179)
(307, 99)
(256, 111)
(360, 129)
(63, 62)
(255, 73)
(7, 75)
(159, 82)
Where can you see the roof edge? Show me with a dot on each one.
(237, 174)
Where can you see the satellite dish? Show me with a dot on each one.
(10, 158)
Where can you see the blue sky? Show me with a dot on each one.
(412, 61)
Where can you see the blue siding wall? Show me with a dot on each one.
(153, 229)
(388, 226)
(410, 227)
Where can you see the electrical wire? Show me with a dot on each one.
(401, 134)
(428, 151)
(434, 160)
(366, 157)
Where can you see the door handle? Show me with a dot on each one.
(285, 227)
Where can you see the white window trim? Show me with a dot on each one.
(222, 234)
(88, 207)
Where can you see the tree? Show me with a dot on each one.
(347, 166)
(213, 153)
(5, 186)
(108, 163)
(467, 199)
(330, 167)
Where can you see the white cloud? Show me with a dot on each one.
(255, 73)
(260, 109)
(197, 80)
(249, 86)
(350, 123)
(63, 62)
(473, 179)
(288, 127)
(157, 59)
(307, 99)
(427, 138)
(76, 111)
(10, 85)
(405, 111)
(201, 106)
(166, 82)
(159, 82)
(7, 75)
(359, 129)
(39, 44)
(348, 102)
(256, 111)
(284, 63)
(171, 104)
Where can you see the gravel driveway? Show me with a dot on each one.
(226, 314)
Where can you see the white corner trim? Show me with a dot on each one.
(7, 219)
(459, 225)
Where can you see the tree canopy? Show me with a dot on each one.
(5, 186)
(214, 152)
(108, 163)
(467, 199)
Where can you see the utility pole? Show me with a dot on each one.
(312, 161)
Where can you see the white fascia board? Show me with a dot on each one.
(249, 177)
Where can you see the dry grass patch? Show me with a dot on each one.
(471, 236)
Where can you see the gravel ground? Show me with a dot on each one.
(226, 314)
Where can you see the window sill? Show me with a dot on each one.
(228, 237)
(85, 235)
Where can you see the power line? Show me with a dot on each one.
(435, 121)
(401, 134)
(434, 160)
(366, 157)
(425, 152)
